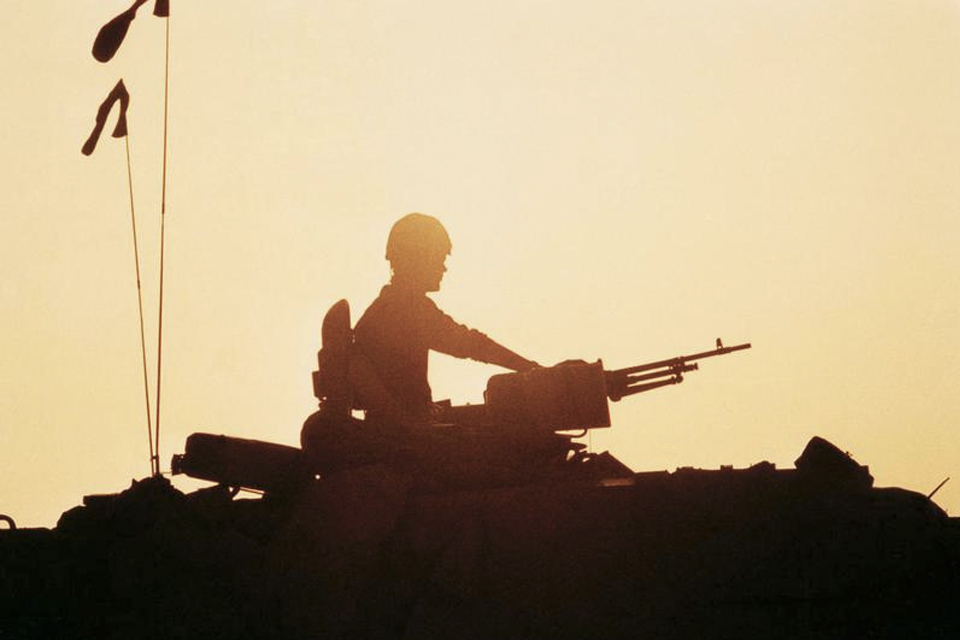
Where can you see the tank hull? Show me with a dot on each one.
(370, 552)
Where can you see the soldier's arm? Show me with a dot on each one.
(495, 353)
(450, 337)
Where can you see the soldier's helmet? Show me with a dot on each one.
(417, 237)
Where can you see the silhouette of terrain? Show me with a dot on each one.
(810, 552)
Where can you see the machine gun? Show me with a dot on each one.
(574, 395)
(653, 375)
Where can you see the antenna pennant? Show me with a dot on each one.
(111, 35)
(119, 93)
(162, 9)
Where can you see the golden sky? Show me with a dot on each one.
(621, 180)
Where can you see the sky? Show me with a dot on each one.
(624, 181)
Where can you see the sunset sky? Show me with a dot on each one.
(621, 180)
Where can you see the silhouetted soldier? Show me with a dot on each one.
(380, 366)
(395, 334)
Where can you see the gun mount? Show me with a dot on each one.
(574, 395)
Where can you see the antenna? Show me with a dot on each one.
(938, 487)
(105, 46)
(163, 214)
(143, 340)
(120, 95)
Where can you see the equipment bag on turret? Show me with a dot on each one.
(240, 463)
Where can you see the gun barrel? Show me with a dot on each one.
(640, 388)
(631, 379)
(644, 377)
(681, 360)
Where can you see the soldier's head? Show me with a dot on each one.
(417, 249)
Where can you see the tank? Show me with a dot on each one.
(587, 550)
(491, 523)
